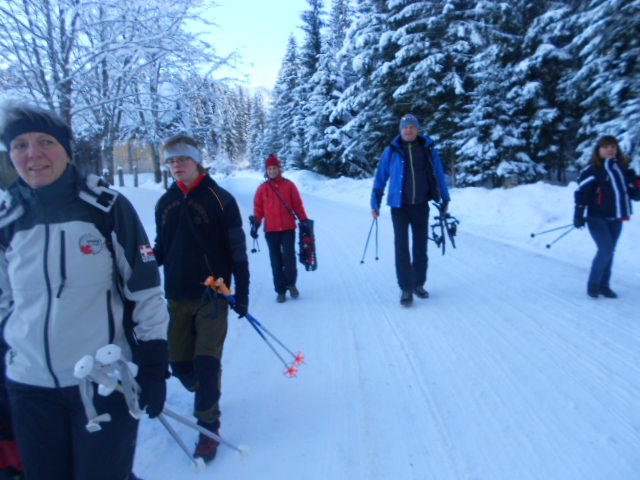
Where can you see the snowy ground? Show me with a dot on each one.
(508, 371)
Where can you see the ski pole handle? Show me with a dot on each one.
(218, 285)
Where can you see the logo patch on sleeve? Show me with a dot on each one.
(146, 252)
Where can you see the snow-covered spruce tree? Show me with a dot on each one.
(435, 44)
(366, 105)
(607, 84)
(309, 57)
(257, 131)
(280, 137)
(549, 115)
(492, 146)
(325, 85)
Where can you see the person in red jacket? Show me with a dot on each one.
(278, 202)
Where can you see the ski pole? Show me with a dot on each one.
(548, 245)
(243, 450)
(256, 246)
(376, 239)
(298, 358)
(198, 462)
(366, 245)
(551, 230)
(219, 286)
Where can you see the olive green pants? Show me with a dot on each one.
(196, 338)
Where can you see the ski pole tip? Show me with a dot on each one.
(198, 464)
(533, 235)
(299, 359)
(548, 245)
(243, 451)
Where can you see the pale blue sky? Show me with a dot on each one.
(259, 30)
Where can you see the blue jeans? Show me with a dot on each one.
(605, 233)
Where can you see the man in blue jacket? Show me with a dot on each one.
(416, 176)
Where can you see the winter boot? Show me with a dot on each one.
(421, 292)
(607, 292)
(281, 298)
(206, 448)
(293, 291)
(593, 290)
(406, 299)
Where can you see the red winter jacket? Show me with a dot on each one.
(268, 205)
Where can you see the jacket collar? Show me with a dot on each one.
(421, 139)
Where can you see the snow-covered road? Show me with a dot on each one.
(508, 371)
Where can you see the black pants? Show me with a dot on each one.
(49, 424)
(282, 252)
(411, 273)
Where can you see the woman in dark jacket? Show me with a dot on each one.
(606, 188)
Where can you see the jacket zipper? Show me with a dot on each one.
(413, 173)
(47, 349)
(63, 264)
(112, 327)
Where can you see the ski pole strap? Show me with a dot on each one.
(289, 209)
(86, 395)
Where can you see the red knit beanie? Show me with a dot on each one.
(273, 161)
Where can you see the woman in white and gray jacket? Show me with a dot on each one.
(76, 273)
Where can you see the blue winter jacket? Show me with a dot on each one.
(391, 167)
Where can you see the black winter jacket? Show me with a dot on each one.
(606, 191)
(198, 235)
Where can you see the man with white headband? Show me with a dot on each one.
(199, 234)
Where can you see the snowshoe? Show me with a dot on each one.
(307, 245)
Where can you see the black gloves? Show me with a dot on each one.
(307, 226)
(444, 207)
(578, 217)
(152, 358)
(255, 225)
(241, 306)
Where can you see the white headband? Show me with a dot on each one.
(182, 150)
